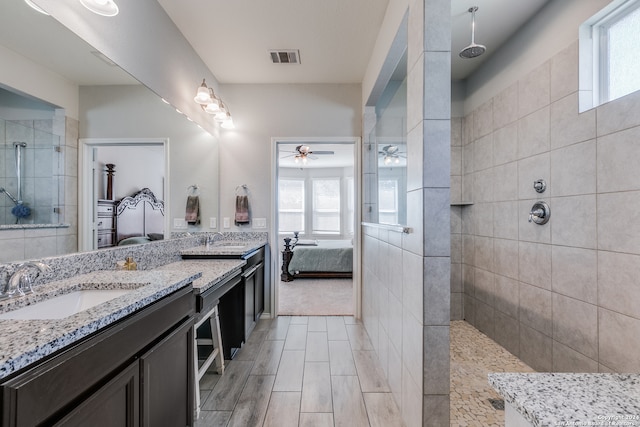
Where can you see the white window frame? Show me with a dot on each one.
(304, 205)
(593, 52)
(315, 211)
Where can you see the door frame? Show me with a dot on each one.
(357, 236)
(86, 210)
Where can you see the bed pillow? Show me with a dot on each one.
(134, 240)
(155, 236)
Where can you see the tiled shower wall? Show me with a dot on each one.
(406, 277)
(563, 296)
(27, 243)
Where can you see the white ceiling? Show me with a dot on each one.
(335, 38)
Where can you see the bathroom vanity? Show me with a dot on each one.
(241, 305)
(124, 362)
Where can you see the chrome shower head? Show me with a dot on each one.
(474, 49)
(19, 144)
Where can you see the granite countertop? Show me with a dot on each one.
(572, 399)
(23, 342)
(213, 271)
(225, 248)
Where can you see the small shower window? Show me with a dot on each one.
(609, 64)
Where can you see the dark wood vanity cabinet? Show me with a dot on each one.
(137, 372)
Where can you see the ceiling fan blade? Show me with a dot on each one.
(321, 152)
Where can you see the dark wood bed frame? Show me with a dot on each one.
(286, 276)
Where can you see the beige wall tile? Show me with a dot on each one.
(412, 284)
(436, 290)
(535, 349)
(575, 324)
(566, 359)
(618, 341)
(436, 208)
(618, 288)
(506, 257)
(533, 90)
(533, 133)
(618, 224)
(411, 400)
(484, 253)
(412, 345)
(505, 220)
(535, 264)
(435, 410)
(505, 144)
(485, 287)
(564, 72)
(567, 126)
(483, 152)
(507, 299)
(436, 157)
(573, 170)
(573, 221)
(507, 332)
(575, 272)
(483, 120)
(483, 186)
(618, 159)
(505, 107)
(456, 132)
(622, 113)
(506, 184)
(484, 318)
(536, 308)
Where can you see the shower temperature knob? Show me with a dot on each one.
(540, 213)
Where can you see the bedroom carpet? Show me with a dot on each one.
(316, 297)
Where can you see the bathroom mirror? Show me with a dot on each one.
(390, 136)
(44, 41)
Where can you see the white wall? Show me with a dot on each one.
(261, 112)
(135, 112)
(135, 168)
(33, 79)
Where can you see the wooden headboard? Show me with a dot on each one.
(139, 215)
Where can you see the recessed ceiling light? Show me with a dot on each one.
(101, 7)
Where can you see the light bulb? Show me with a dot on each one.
(387, 160)
(202, 94)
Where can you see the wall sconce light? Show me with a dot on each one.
(35, 7)
(212, 104)
(101, 7)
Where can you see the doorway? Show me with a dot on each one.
(316, 208)
(139, 163)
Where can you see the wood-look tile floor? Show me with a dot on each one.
(302, 371)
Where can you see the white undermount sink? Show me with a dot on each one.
(65, 305)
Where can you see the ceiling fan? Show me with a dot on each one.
(391, 154)
(304, 151)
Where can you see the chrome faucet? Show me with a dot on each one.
(21, 280)
(211, 238)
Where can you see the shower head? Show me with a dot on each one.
(474, 49)
(20, 144)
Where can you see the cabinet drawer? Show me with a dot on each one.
(105, 239)
(104, 223)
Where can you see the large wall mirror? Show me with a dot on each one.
(103, 99)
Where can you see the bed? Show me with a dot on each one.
(318, 259)
(139, 218)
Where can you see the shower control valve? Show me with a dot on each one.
(540, 213)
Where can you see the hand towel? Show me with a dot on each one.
(242, 210)
(192, 214)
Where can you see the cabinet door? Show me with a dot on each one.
(113, 405)
(168, 379)
(249, 304)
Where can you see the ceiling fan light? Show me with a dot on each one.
(101, 7)
(35, 7)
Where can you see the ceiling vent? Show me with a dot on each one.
(285, 56)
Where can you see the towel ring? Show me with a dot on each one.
(193, 190)
(242, 190)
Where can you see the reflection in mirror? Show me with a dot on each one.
(390, 134)
(29, 158)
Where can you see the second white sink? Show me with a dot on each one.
(65, 305)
